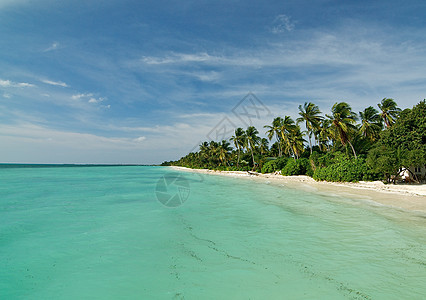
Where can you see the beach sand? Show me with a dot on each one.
(401, 196)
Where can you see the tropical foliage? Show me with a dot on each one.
(403, 144)
(337, 147)
(389, 111)
(310, 114)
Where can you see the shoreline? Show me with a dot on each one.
(400, 196)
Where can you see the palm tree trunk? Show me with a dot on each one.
(292, 150)
(310, 144)
(252, 156)
(279, 146)
(238, 160)
(353, 150)
(386, 122)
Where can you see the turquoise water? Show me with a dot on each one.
(100, 233)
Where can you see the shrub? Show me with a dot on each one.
(268, 167)
(351, 170)
(301, 166)
(274, 165)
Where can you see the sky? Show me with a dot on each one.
(141, 82)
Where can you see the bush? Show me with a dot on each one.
(351, 170)
(321, 160)
(301, 166)
(274, 165)
(268, 167)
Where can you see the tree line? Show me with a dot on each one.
(338, 146)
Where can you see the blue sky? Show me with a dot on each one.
(145, 81)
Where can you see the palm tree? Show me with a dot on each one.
(324, 134)
(263, 146)
(296, 141)
(390, 111)
(204, 149)
(310, 114)
(343, 120)
(274, 129)
(213, 153)
(371, 123)
(273, 150)
(286, 127)
(223, 149)
(239, 140)
(252, 139)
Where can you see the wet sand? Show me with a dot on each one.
(403, 196)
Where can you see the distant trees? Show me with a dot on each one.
(213, 153)
(376, 150)
(224, 149)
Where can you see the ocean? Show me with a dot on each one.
(138, 232)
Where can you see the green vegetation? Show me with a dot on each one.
(401, 145)
(338, 148)
(343, 168)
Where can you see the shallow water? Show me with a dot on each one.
(100, 233)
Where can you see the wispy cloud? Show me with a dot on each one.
(174, 58)
(91, 99)
(55, 83)
(206, 76)
(79, 96)
(39, 143)
(351, 63)
(8, 83)
(53, 46)
(96, 100)
(139, 139)
(282, 23)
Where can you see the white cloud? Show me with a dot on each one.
(353, 63)
(35, 133)
(52, 47)
(56, 83)
(140, 139)
(24, 84)
(178, 58)
(207, 76)
(7, 96)
(40, 144)
(96, 100)
(282, 23)
(79, 96)
(90, 98)
(8, 83)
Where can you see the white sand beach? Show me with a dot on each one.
(403, 196)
